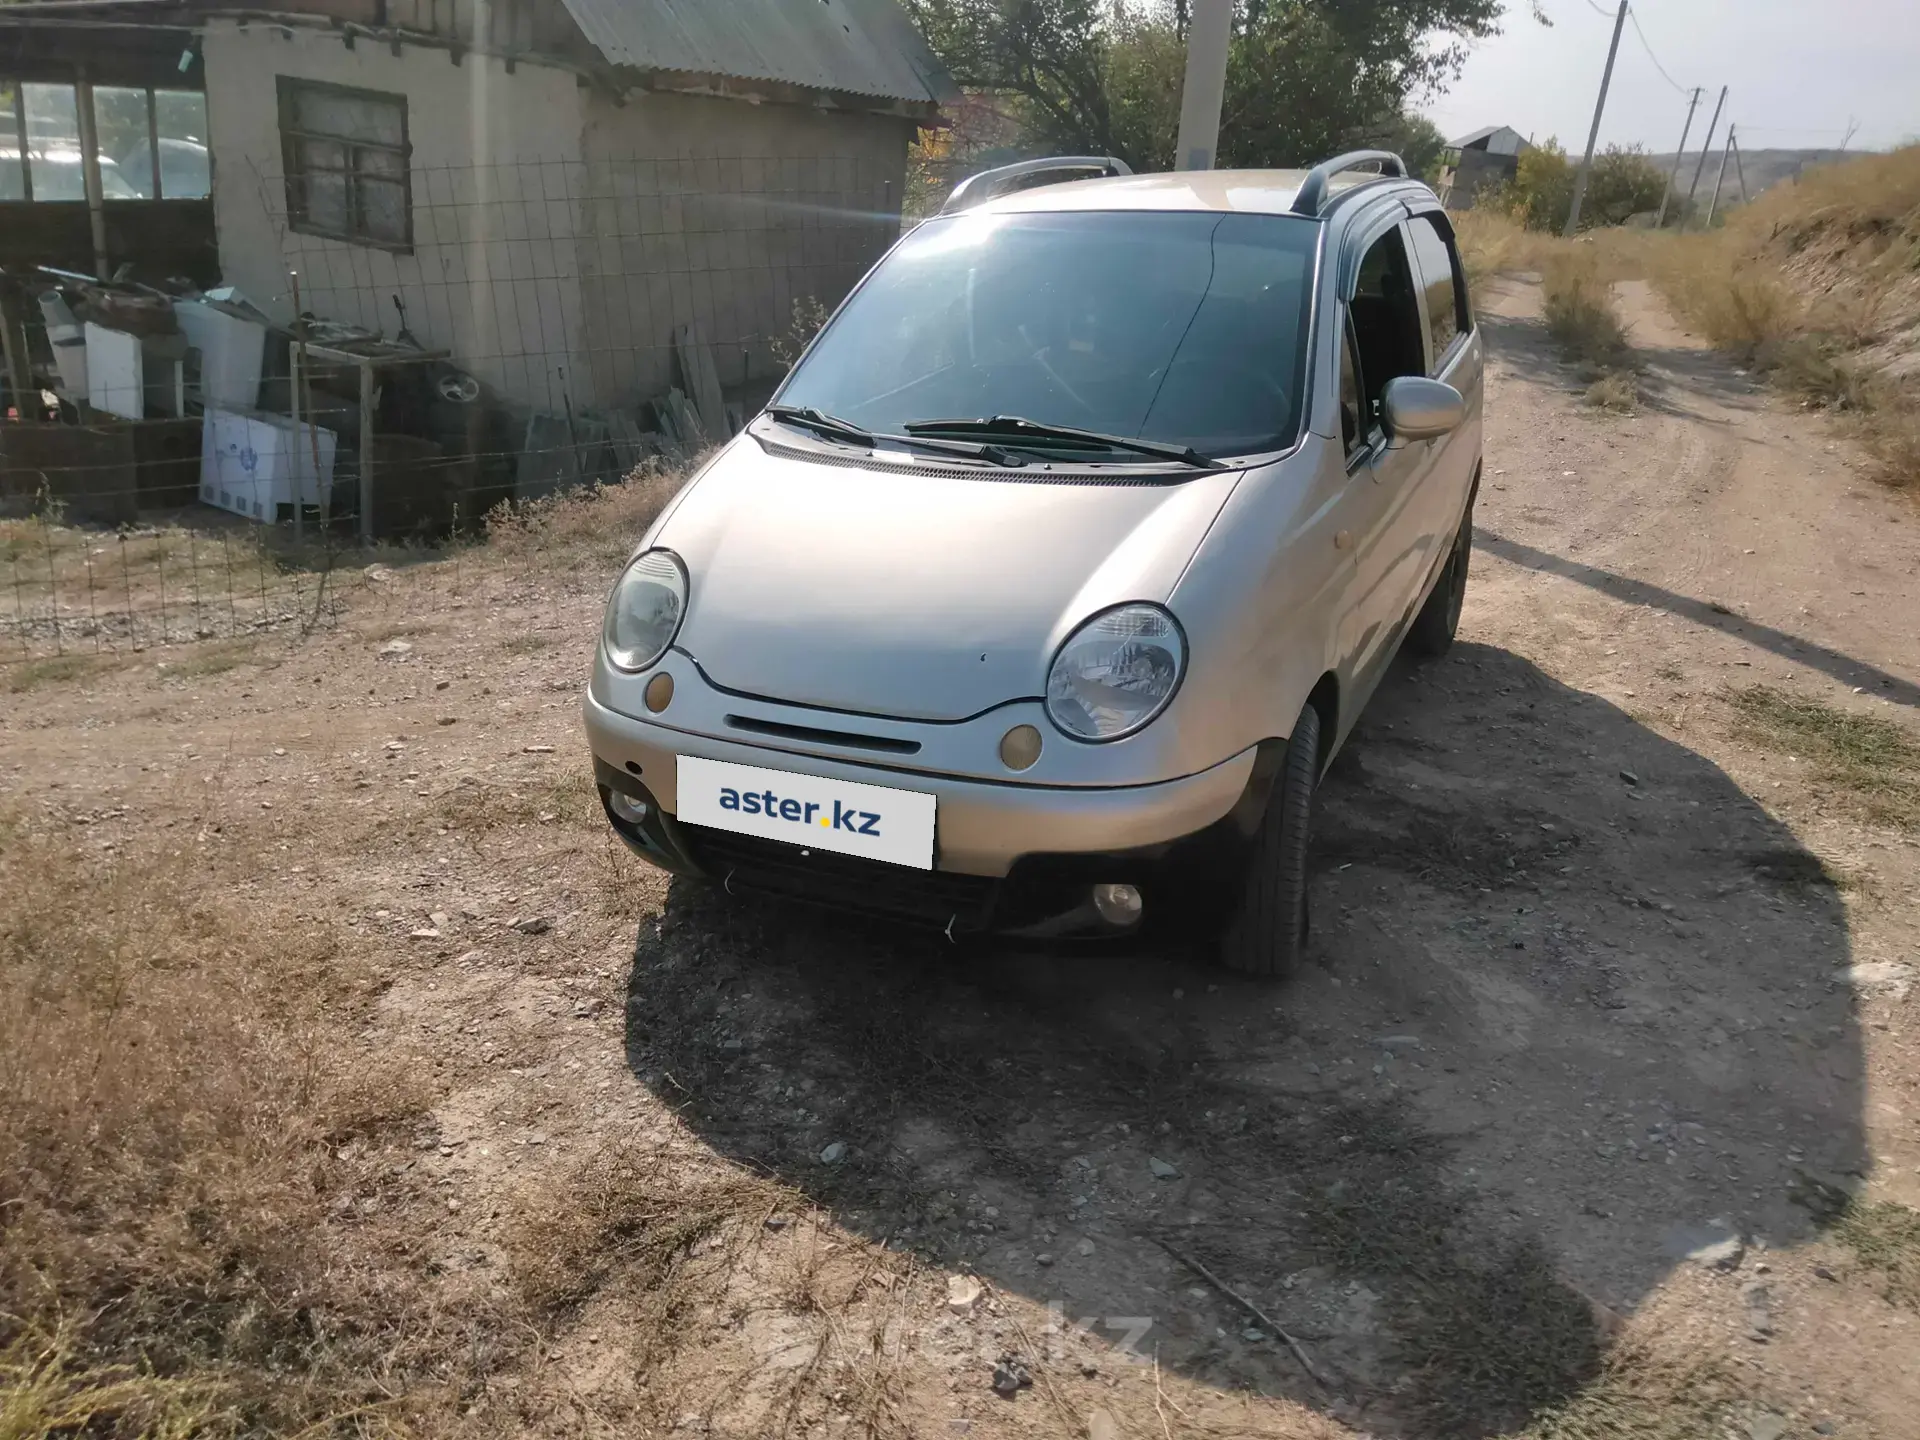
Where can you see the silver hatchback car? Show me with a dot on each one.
(1041, 596)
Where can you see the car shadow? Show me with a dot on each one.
(1705, 613)
(1572, 1018)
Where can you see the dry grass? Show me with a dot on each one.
(602, 523)
(1885, 1239)
(1617, 390)
(172, 1122)
(1579, 308)
(631, 1216)
(1874, 763)
(1493, 243)
(562, 794)
(1640, 1395)
(1816, 285)
(24, 676)
(1807, 284)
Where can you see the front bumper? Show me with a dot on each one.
(1007, 857)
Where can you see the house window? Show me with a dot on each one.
(49, 165)
(346, 158)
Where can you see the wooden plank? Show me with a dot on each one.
(689, 428)
(702, 380)
(19, 374)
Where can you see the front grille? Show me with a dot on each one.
(933, 897)
(781, 730)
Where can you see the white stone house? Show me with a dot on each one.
(552, 187)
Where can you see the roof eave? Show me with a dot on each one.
(922, 111)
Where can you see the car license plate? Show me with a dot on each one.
(872, 821)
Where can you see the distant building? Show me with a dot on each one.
(1476, 163)
(546, 191)
(551, 187)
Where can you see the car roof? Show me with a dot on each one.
(1254, 192)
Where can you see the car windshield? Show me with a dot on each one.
(1187, 328)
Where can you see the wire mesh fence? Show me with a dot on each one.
(577, 285)
(411, 358)
(72, 589)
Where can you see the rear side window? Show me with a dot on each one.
(1439, 262)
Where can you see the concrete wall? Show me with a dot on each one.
(498, 193)
(1475, 174)
(720, 214)
(560, 236)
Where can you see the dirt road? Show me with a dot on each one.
(1601, 982)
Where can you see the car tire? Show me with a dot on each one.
(1431, 635)
(1268, 933)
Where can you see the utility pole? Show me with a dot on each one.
(1739, 167)
(1853, 128)
(1673, 176)
(1593, 135)
(1206, 84)
(1706, 146)
(1719, 176)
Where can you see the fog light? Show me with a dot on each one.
(1117, 904)
(626, 808)
(659, 692)
(1020, 747)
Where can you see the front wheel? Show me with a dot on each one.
(1268, 933)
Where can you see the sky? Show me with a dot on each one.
(1799, 71)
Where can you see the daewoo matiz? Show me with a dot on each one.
(1041, 596)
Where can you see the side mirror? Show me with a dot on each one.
(1415, 408)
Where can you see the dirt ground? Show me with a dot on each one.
(1611, 1007)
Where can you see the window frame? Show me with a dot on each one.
(17, 117)
(291, 135)
(1366, 430)
(1373, 439)
(13, 119)
(1437, 362)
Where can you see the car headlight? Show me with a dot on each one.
(645, 609)
(1116, 672)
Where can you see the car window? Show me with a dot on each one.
(1352, 430)
(1433, 250)
(1386, 322)
(113, 183)
(1184, 327)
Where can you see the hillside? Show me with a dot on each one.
(1763, 169)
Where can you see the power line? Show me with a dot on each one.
(1650, 55)
(1802, 129)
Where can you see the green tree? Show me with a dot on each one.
(1414, 138)
(1542, 190)
(1305, 78)
(1623, 183)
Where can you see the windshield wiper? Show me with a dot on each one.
(820, 421)
(1013, 427)
(833, 427)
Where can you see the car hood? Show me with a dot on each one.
(932, 593)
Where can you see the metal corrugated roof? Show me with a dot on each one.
(1487, 132)
(866, 47)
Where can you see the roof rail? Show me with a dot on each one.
(976, 189)
(1313, 190)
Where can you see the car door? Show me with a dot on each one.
(1383, 339)
(1453, 355)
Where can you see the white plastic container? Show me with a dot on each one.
(116, 372)
(69, 341)
(231, 350)
(253, 464)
